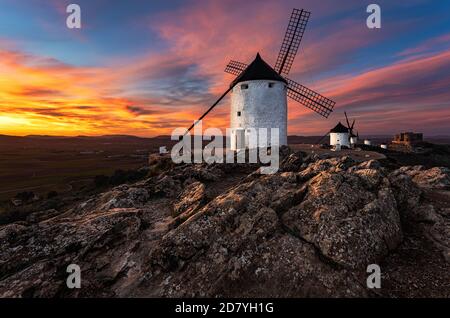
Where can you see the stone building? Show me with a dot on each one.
(408, 138)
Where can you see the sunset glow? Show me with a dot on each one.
(144, 69)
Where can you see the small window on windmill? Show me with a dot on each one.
(244, 86)
(239, 114)
(271, 85)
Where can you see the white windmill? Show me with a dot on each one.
(339, 136)
(342, 135)
(258, 100)
(259, 93)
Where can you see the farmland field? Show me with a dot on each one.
(43, 164)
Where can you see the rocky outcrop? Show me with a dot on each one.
(34, 258)
(434, 178)
(201, 230)
(236, 240)
(423, 203)
(351, 218)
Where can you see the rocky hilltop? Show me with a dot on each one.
(200, 230)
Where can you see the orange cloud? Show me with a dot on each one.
(44, 96)
(152, 94)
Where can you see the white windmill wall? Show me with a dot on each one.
(339, 139)
(238, 138)
(261, 106)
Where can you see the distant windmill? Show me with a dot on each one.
(339, 136)
(260, 101)
(342, 136)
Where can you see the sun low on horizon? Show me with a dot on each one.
(145, 68)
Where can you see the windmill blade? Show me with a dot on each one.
(318, 103)
(209, 109)
(353, 124)
(350, 127)
(235, 67)
(346, 119)
(291, 42)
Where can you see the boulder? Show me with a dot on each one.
(353, 221)
(34, 259)
(434, 178)
(332, 165)
(236, 244)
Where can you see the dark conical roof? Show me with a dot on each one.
(258, 70)
(339, 129)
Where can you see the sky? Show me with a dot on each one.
(144, 68)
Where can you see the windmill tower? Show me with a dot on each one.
(259, 92)
(258, 100)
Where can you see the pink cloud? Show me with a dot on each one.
(203, 37)
(427, 46)
(410, 94)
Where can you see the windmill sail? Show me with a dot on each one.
(235, 67)
(350, 127)
(309, 98)
(291, 42)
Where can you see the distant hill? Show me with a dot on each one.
(45, 137)
(81, 143)
(292, 139)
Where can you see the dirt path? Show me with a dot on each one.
(358, 155)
